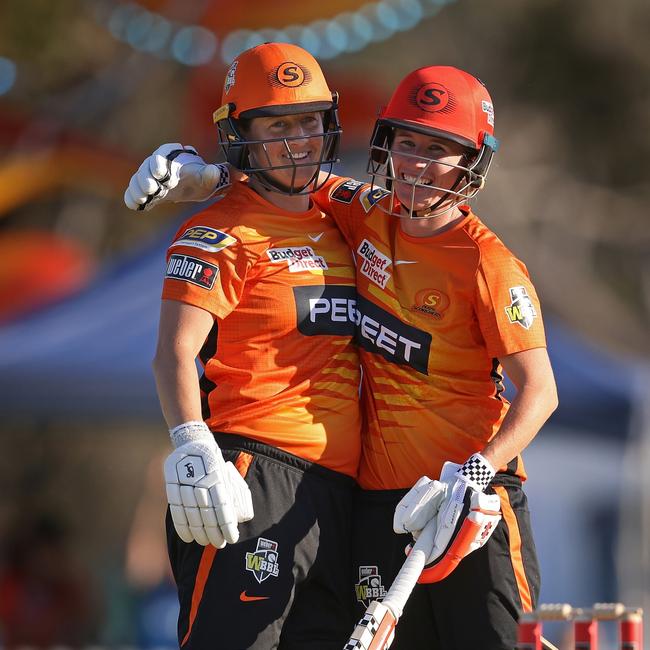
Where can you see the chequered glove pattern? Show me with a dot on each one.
(477, 471)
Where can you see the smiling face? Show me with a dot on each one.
(293, 147)
(424, 161)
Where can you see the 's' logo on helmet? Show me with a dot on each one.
(291, 75)
(432, 97)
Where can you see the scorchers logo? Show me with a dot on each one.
(337, 310)
(298, 258)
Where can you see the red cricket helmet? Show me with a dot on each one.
(440, 101)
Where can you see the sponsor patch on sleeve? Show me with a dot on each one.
(521, 309)
(345, 192)
(371, 196)
(207, 239)
(192, 269)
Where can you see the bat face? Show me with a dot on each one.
(375, 631)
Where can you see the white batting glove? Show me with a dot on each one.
(175, 173)
(207, 496)
(465, 516)
(419, 505)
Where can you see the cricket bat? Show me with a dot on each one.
(376, 630)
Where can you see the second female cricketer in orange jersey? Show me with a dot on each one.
(267, 440)
(443, 308)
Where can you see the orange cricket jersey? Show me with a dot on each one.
(435, 314)
(280, 364)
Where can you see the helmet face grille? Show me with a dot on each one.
(381, 167)
(236, 148)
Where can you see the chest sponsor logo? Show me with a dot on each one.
(263, 562)
(192, 269)
(337, 310)
(207, 239)
(374, 263)
(326, 309)
(431, 302)
(297, 258)
(345, 192)
(521, 309)
(371, 196)
(370, 585)
(382, 333)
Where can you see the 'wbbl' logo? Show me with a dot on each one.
(369, 587)
(263, 563)
(521, 310)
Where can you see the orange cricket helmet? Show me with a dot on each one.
(275, 79)
(440, 101)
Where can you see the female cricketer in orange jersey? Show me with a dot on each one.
(257, 287)
(442, 308)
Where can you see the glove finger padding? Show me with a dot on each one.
(418, 506)
(240, 493)
(180, 523)
(159, 161)
(478, 519)
(225, 512)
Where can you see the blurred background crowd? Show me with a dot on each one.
(89, 88)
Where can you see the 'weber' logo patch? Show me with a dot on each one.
(192, 269)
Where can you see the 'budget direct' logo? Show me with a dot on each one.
(374, 263)
(298, 258)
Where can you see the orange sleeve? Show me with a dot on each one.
(207, 267)
(338, 199)
(507, 305)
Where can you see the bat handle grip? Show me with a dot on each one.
(407, 577)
